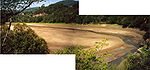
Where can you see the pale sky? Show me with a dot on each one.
(47, 2)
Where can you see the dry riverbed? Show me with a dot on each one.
(59, 36)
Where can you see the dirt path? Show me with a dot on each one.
(59, 36)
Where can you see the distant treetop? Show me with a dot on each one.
(68, 0)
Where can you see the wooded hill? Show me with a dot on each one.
(54, 13)
(60, 12)
(68, 12)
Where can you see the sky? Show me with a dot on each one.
(47, 2)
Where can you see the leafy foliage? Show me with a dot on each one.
(138, 61)
(135, 61)
(10, 8)
(86, 59)
(23, 39)
(102, 43)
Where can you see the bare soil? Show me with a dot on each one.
(59, 36)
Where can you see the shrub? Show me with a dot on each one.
(22, 39)
(86, 59)
(138, 61)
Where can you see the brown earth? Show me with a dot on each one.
(59, 36)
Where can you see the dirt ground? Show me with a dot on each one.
(59, 36)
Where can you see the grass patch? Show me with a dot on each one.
(51, 23)
(63, 23)
(71, 23)
(115, 24)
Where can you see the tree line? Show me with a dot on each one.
(60, 13)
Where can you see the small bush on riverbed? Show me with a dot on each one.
(22, 39)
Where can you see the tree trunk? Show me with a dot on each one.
(7, 33)
(148, 32)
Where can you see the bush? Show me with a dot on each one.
(138, 61)
(22, 39)
(86, 59)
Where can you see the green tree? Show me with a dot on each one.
(23, 40)
(9, 8)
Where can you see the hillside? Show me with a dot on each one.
(58, 12)
(61, 13)
(66, 3)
